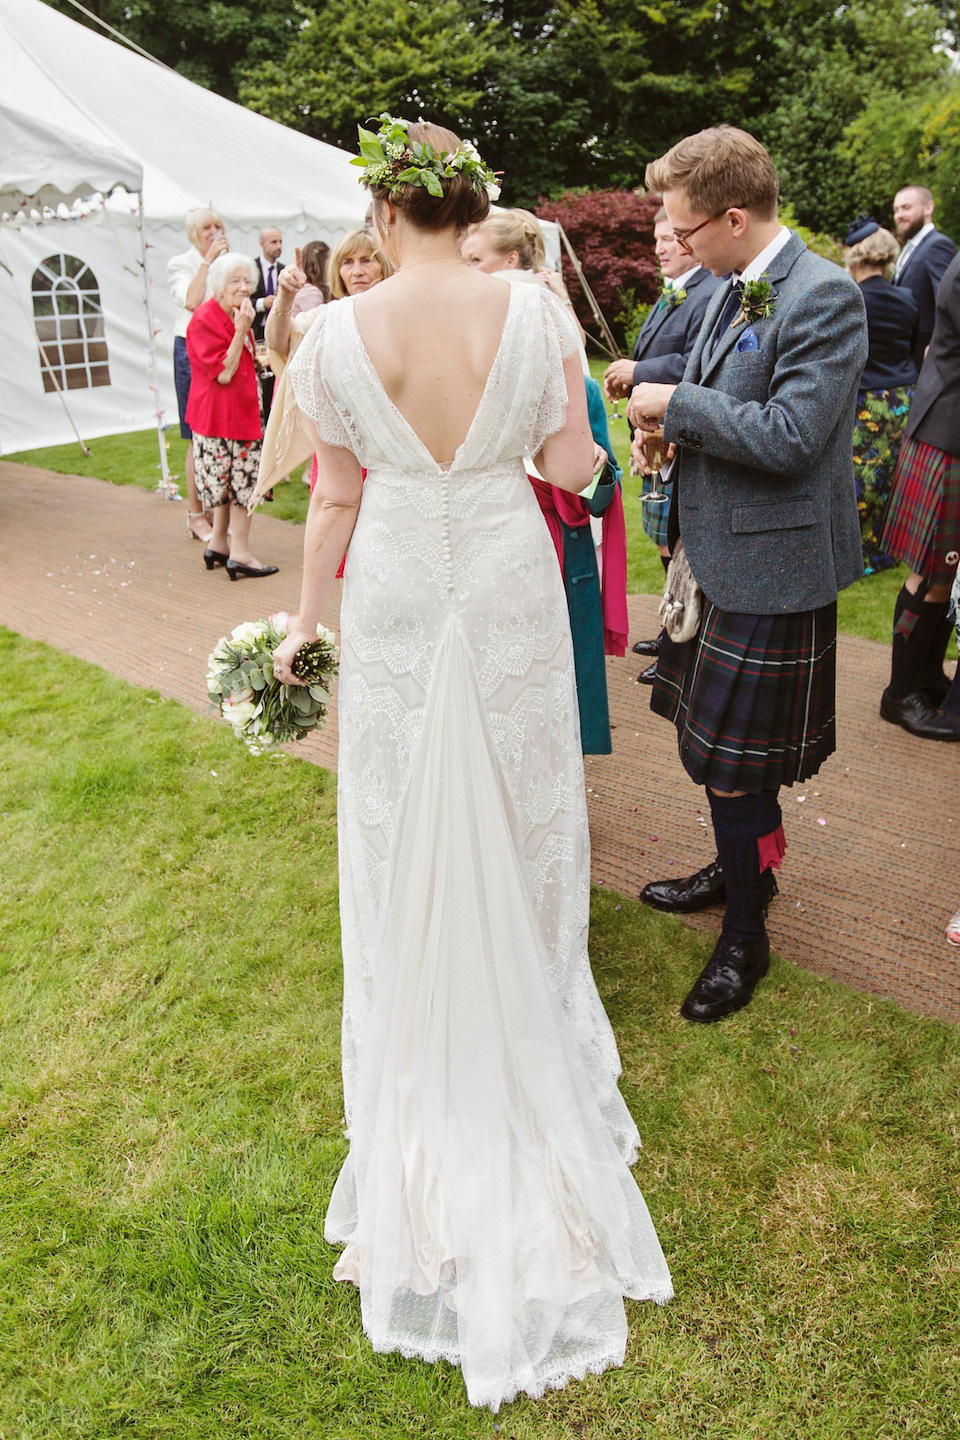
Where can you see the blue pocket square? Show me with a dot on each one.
(748, 340)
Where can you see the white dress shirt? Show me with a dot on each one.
(760, 262)
(908, 249)
(265, 267)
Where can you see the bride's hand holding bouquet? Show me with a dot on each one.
(297, 637)
(271, 680)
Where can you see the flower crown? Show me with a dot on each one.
(390, 158)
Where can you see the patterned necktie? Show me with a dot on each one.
(730, 308)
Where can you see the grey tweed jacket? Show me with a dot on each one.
(764, 425)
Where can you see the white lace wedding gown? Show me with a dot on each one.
(486, 1208)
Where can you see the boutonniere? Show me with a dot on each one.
(672, 296)
(757, 302)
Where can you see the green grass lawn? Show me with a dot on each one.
(864, 609)
(171, 1127)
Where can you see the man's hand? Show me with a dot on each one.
(648, 405)
(639, 455)
(618, 379)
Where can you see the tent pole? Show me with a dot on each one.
(611, 345)
(170, 490)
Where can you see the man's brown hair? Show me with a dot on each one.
(717, 169)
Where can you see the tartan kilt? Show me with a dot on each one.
(752, 697)
(922, 525)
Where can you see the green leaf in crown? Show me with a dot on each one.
(391, 159)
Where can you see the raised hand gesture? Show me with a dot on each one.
(291, 277)
(218, 247)
(243, 316)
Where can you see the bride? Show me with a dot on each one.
(486, 1210)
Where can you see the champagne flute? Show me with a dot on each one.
(655, 452)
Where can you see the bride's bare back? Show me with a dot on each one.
(432, 333)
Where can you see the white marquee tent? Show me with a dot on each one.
(81, 114)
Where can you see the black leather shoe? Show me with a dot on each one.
(727, 981)
(648, 647)
(647, 677)
(917, 716)
(252, 572)
(936, 691)
(696, 892)
(214, 557)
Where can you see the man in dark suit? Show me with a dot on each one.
(660, 355)
(268, 265)
(923, 530)
(763, 519)
(924, 256)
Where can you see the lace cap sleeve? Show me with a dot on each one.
(560, 341)
(558, 324)
(310, 374)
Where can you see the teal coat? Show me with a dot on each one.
(581, 580)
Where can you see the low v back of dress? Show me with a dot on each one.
(486, 1207)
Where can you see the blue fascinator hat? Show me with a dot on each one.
(863, 226)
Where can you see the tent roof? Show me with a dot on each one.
(195, 147)
(41, 164)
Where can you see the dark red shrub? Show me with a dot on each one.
(612, 233)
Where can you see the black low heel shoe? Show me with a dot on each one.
(213, 557)
(235, 570)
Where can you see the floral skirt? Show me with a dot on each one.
(881, 417)
(226, 470)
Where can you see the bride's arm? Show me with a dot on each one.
(566, 458)
(330, 521)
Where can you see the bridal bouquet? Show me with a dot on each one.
(242, 686)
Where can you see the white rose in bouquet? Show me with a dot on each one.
(249, 632)
(240, 713)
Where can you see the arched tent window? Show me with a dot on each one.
(69, 321)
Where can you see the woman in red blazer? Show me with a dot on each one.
(224, 413)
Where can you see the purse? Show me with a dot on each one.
(681, 608)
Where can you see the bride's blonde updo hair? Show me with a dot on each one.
(462, 204)
(510, 231)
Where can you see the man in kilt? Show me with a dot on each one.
(764, 509)
(660, 353)
(922, 528)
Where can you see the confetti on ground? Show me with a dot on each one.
(820, 820)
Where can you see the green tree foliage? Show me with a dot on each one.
(350, 61)
(565, 94)
(209, 41)
(897, 140)
(867, 53)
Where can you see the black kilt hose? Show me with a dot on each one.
(752, 697)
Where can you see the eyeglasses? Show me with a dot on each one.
(682, 236)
